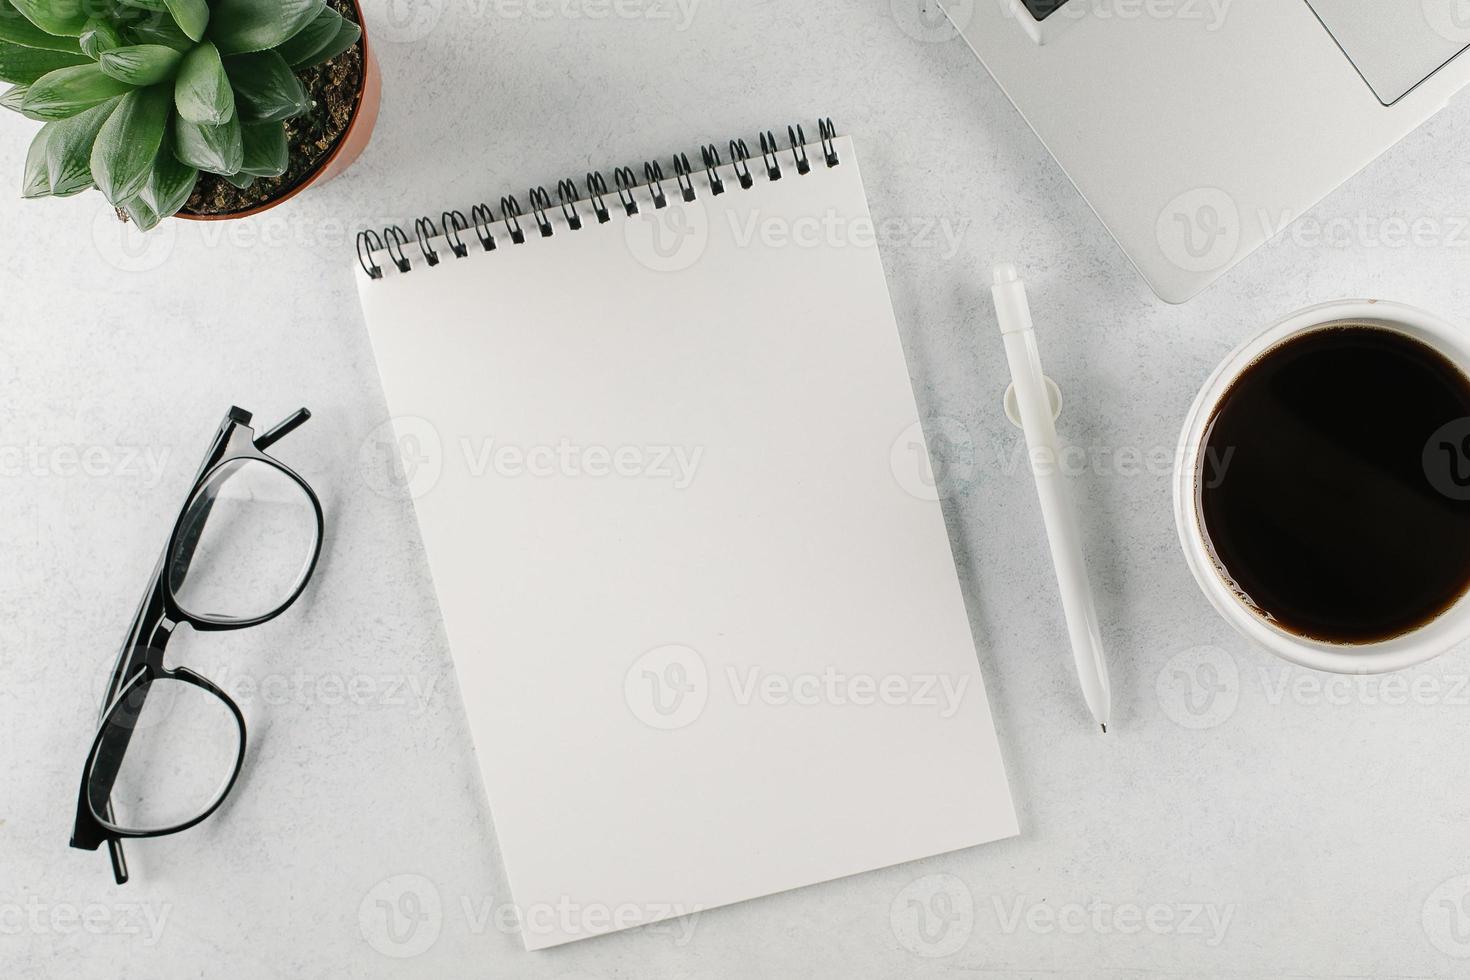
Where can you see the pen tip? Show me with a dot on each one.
(1105, 729)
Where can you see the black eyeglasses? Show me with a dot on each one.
(241, 551)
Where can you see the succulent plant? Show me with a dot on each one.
(140, 96)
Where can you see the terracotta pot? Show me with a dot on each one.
(348, 147)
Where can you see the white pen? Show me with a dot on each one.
(1034, 405)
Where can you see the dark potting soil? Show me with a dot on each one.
(333, 89)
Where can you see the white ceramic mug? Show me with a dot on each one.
(1405, 650)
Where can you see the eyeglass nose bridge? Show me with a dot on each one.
(157, 645)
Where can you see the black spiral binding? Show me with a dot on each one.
(740, 160)
(510, 214)
(396, 239)
(828, 132)
(540, 204)
(481, 217)
(596, 193)
(392, 240)
(369, 242)
(681, 174)
(797, 139)
(453, 224)
(768, 154)
(711, 155)
(626, 181)
(654, 174)
(566, 192)
(423, 230)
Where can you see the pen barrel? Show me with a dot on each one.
(1060, 516)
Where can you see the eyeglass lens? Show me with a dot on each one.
(245, 543)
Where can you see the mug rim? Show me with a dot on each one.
(1395, 653)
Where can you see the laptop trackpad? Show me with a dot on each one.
(1396, 44)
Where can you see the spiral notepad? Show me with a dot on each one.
(673, 488)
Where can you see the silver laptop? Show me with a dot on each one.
(1197, 129)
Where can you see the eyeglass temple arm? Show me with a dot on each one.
(178, 562)
(282, 429)
(115, 852)
(99, 781)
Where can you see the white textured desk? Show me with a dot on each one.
(1243, 820)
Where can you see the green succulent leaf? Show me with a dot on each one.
(241, 180)
(266, 153)
(26, 65)
(11, 97)
(242, 26)
(161, 29)
(347, 35)
(69, 149)
(266, 89)
(140, 214)
(192, 16)
(218, 149)
(15, 28)
(123, 155)
(67, 91)
(140, 64)
(63, 18)
(170, 183)
(99, 36)
(157, 6)
(202, 91)
(311, 38)
(35, 182)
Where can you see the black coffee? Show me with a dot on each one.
(1335, 484)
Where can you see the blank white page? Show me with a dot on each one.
(710, 646)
